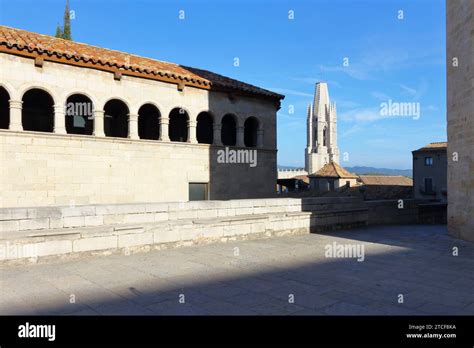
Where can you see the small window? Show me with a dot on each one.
(428, 185)
(198, 191)
(428, 161)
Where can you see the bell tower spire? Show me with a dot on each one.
(321, 130)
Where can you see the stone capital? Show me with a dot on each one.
(16, 104)
(59, 109)
(133, 117)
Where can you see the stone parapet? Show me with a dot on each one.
(29, 233)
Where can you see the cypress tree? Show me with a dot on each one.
(67, 23)
(59, 32)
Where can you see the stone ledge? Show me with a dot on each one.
(186, 228)
(24, 219)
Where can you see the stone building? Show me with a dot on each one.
(321, 147)
(81, 124)
(331, 177)
(460, 107)
(430, 172)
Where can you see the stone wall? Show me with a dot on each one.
(47, 231)
(42, 169)
(34, 232)
(460, 105)
(387, 212)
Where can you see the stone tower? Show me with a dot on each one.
(321, 147)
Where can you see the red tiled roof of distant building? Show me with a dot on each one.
(29, 44)
(333, 170)
(303, 178)
(440, 145)
(387, 180)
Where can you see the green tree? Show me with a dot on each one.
(59, 32)
(64, 32)
(67, 23)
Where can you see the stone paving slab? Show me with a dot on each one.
(283, 275)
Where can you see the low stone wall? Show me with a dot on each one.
(29, 233)
(32, 233)
(391, 212)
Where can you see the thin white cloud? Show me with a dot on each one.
(415, 93)
(354, 129)
(349, 104)
(357, 72)
(376, 61)
(411, 91)
(380, 96)
(290, 92)
(362, 115)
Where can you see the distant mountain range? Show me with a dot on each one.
(369, 170)
(380, 171)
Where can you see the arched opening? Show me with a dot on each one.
(178, 127)
(79, 115)
(4, 108)
(149, 122)
(204, 130)
(250, 132)
(228, 130)
(116, 119)
(325, 136)
(38, 111)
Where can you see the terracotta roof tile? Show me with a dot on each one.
(387, 180)
(303, 178)
(333, 170)
(434, 146)
(22, 42)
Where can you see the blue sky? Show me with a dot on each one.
(389, 58)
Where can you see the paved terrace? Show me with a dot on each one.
(257, 277)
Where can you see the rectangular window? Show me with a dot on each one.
(428, 161)
(428, 185)
(198, 191)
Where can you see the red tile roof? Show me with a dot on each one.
(333, 170)
(387, 180)
(25, 43)
(441, 145)
(303, 178)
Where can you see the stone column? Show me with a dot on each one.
(99, 123)
(192, 132)
(240, 137)
(15, 115)
(59, 119)
(260, 138)
(217, 128)
(164, 128)
(133, 126)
